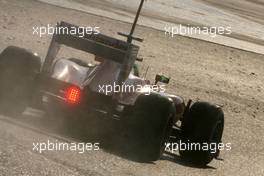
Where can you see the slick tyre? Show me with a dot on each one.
(203, 125)
(18, 71)
(151, 123)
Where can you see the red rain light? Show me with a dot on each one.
(73, 95)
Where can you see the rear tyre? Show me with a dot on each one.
(151, 123)
(203, 125)
(18, 70)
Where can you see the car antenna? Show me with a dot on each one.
(129, 36)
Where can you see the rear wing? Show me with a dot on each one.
(98, 44)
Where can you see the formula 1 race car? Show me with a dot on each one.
(75, 88)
